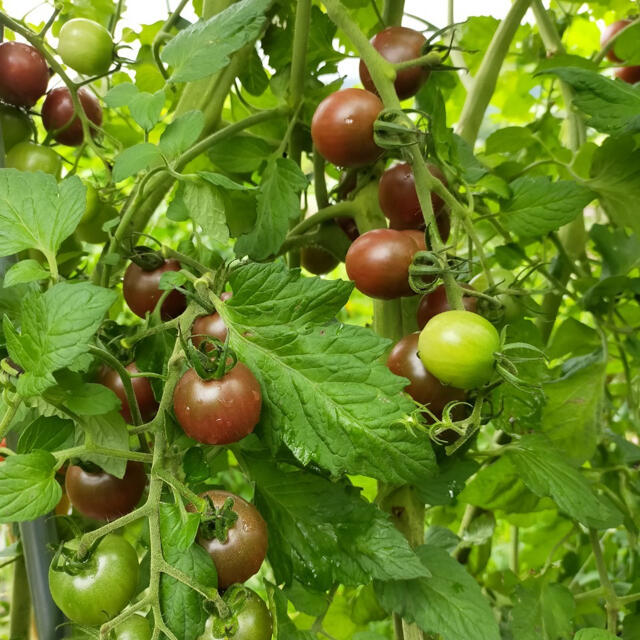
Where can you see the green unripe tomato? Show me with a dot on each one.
(96, 213)
(16, 126)
(458, 347)
(28, 156)
(134, 628)
(85, 46)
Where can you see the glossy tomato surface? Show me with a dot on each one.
(630, 75)
(58, 115)
(399, 199)
(398, 44)
(436, 302)
(218, 411)
(101, 496)
(423, 387)
(24, 74)
(141, 387)
(142, 293)
(134, 628)
(318, 261)
(242, 554)
(85, 46)
(28, 156)
(16, 126)
(342, 127)
(378, 263)
(458, 348)
(102, 587)
(608, 33)
(211, 325)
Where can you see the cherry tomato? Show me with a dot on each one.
(133, 628)
(318, 261)
(630, 75)
(399, 44)
(24, 74)
(101, 496)
(417, 236)
(458, 348)
(399, 199)
(218, 411)
(609, 32)
(96, 213)
(251, 619)
(241, 555)
(141, 388)
(212, 325)
(140, 289)
(423, 387)
(28, 156)
(101, 587)
(16, 126)
(342, 127)
(85, 46)
(436, 302)
(378, 263)
(58, 111)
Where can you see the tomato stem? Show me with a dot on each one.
(609, 593)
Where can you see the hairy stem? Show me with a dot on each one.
(609, 593)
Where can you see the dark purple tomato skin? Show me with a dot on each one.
(423, 387)
(398, 44)
(218, 411)
(245, 549)
(58, 110)
(141, 291)
(141, 387)
(399, 199)
(102, 496)
(436, 302)
(418, 238)
(318, 261)
(349, 226)
(24, 74)
(378, 263)
(212, 325)
(630, 75)
(609, 32)
(342, 127)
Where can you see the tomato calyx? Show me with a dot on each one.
(394, 130)
(428, 267)
(146, 258)
(217, 522)
(506, 366)
(66, 560)
(212, 359)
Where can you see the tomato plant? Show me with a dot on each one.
(85, 46)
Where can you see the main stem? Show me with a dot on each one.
(609, 593)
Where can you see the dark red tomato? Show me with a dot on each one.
(24, 74)
(241, 555)
(436, 302)
(58, 111)
(609, 32)
(342, 127)
(144, 395)
(142, 293)
(630, 75)
(418, 237)
(399, 44)
(423, 387)
(349, 226)
(378, 263)
(101, 496)
(318, 261)
(399, 199)
(212, 325)
(218, 411)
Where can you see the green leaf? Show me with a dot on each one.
(25, 271)
(620, 251)
(594, 634)
(109, 431)
(326, 394)
(50, 433)
(178, 528)
(285, 627)
(38, 223)
(546, 473)
(253, 76)
(311, 519)
(278, 205)
(205, 206)
(613, 106)
(219, 180)
(538, 205)
(204, 48)
(449, 603)
(573, 337)
(120, 95)
(243, 153)
(146, 108)
(28, 487)
(56, 328)
(509, 140)
(83, 398)
(134, 159)
(181, 133)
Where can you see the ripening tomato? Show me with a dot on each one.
(318, 261)
(342, 127)
(630, 75)
(24, 74)
(609, 32)
(29, 156)
(212, 325)
(16, 126)
(436, 302)
(101, 496)
(378, 263)
(85, 46)
(59, 119)
(458, 348)
(218, 411)
(399, 44)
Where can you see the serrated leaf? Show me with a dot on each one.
(182, 133)
(204, 48)
(120, 95)
(49, 433)
(241, 154)
(284, 626)
(620, 251)
(109, 431)
(253, 77)
(83, 398)
(28, 488)
(146, 108)
(594, 634)
(205, 206)
(25, 271)
(219, 180)
(449, 603)
(134, 159)
(178, 528)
